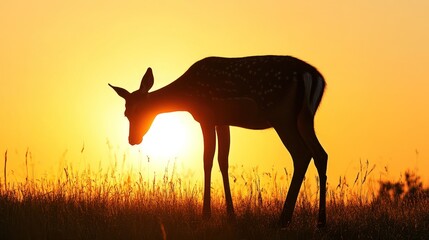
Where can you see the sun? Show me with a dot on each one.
(167, 137)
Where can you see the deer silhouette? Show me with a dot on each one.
(257, 92)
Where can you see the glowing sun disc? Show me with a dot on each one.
(167, 137)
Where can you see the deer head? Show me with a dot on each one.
(137, 109)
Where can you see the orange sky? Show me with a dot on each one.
(56, 59)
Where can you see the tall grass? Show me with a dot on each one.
(112, 203)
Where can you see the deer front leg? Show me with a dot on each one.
(223, 138)
(209, 137)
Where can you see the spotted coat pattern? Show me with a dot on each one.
(264, 79)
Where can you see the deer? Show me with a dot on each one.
(254, 92)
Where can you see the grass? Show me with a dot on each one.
(110, 204)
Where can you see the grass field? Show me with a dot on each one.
(109, 204)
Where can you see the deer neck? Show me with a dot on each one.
(166, 100)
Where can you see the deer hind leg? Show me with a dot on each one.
(209, 137)
(223, 136)
(292, 140)
(306, 129)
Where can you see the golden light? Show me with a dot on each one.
(55, 68)
(167, 137)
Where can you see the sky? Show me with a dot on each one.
(56, 59)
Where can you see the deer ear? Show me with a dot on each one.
(120, 91)
(147, 81)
